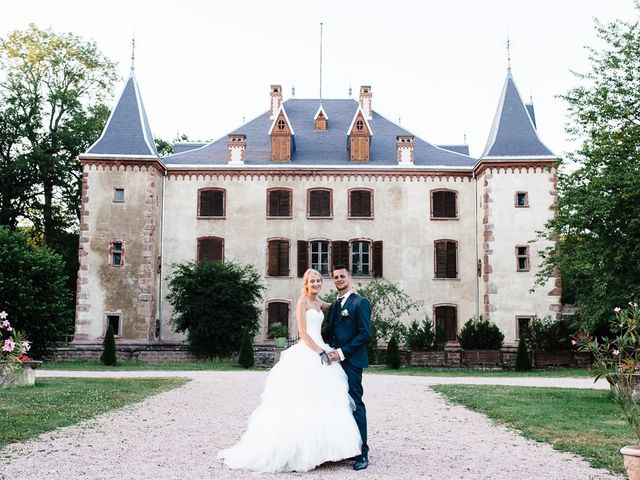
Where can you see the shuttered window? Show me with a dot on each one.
(360, 149)
(303, 257)
(377, 259)
(444, 204)
(278, 258)
(360, 204)
(211, 203)
(279, 203)
(447, 319)
(339, 253)
(446, 259)
(211, 248)
(281, 148)
(360, 259)
(277, 312)
(320, 256)
(319, 203)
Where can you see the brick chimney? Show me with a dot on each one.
(404, 147)
(365, 101)
(237, 144)
(276, 100)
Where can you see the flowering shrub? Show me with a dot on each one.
(14, 345)
(618, 359)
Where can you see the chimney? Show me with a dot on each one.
(365, 101)
(276, 100)
(237, 144)
(404, 146)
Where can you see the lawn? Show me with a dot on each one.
(53, 403)
(583, 421)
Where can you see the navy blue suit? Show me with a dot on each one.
(349, 330)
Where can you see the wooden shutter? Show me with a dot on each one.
(360, 203)
(218, 203)
(339, 253)
(272, 270)
(437, 204)
(359, 149)
(279, 203)
(452, 259)
(319, 203)
(303, 257)
(377, 259)
(278, 263)
(440, 259)
(210, 249)
(449, 204)
(446, 318)
(206, 203)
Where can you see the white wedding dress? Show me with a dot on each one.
(305, 416)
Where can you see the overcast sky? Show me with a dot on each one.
(437, 67)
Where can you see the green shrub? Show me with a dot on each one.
(214, 302)
(33, 288)
(523, 361)
(479, 334)
(392, 357)
(419, 336)
(246, 358)
(108, 356)
(440, 338)
(550, 334)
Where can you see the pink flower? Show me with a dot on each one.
(8, 345)
(3, 315)
(616, 353)
(573, 342)
(617, 309)
(26, 346)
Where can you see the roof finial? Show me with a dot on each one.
(133, 52)
(465, 138)
(350, 90)
(293, 89)
(320, 63)
(508, 53)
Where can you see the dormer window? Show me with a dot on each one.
(359, 125)
(359, 138)
(321, 119)
(281, 124)
(281, 134)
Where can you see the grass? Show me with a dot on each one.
(474, 372)
(583, 421)
(53, 403)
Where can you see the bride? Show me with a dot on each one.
(305, 416)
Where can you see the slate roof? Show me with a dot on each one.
(463, 149)
(513, 133)
(322, 148)
(127, 131)
(180, 147)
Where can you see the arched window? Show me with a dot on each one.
(360, 203)
(319, 202)
(444, 204)
(277, 311)
(278, 261)
(279, 202)
(446, 317)
(211, 202)
(210, 248)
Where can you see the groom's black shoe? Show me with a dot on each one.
(362, 462)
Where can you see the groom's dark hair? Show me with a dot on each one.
(341, 266)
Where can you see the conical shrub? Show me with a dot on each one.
(245, 356)
(108, 356)
(392, 358)
(523, 361)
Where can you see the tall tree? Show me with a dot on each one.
(52, 91)
(598, 219)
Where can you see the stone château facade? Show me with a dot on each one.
(313, 183)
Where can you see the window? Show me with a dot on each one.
(278, 258)
(277, 312)
(320, 256)
(446, 259)
(211, 203)
(116, 254)
(360, 259)
(279, 203)
(321, 122)
(282, 124)
(522, 325)
(522, 259)
(360, 204)
(359, 148)
(444, 204)
(522, 199)
(113, 320)
(210, 248)
(118, 195)
(319, 203)
(447, 320)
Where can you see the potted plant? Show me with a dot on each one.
(618, 360)
(279, 333)
(16, 368)
(481, 341)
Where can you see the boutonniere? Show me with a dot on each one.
(345, 313)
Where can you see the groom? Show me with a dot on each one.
(349, 330)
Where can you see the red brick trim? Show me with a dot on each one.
(512, 166)
(136, 164)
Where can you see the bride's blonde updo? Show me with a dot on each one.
(305, 280)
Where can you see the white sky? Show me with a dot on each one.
(203, 66)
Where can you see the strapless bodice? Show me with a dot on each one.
(314, 325)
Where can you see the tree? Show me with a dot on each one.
(420, 336)
(597, 225)
(392, 358)
(108, 356)
(32, 288)
(246, 358)
(523, 361)
(214, 303)
(480, 334)
(52, 93)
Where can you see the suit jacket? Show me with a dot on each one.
(350, 328)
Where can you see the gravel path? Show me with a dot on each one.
(413, 434)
